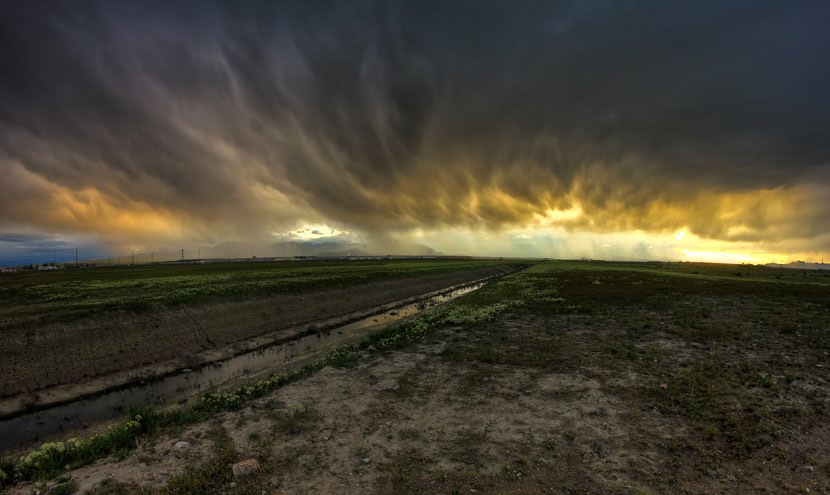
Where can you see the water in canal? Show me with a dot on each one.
(170, 389)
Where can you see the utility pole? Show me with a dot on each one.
(76, 256)
(54, 258)
(182, 254)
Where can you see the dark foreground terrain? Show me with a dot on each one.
(566, 378)
(72, 332)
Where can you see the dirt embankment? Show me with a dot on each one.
(104, 350)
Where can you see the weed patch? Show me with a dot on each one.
(295, 420)
(206, 479)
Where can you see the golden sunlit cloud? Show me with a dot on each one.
(89, 210)
(558, 217)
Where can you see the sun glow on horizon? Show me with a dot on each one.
(721, 257)
(311, 232)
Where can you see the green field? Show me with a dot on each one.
(75, 291)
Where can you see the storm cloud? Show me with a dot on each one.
(134, 118)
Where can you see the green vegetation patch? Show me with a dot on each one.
(82, 291)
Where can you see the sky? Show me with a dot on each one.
(608, 129)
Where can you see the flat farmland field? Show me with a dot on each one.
(61, 294)
(563, 378)
(74, 331)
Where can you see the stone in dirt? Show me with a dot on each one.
(245, 468)
(181, 445)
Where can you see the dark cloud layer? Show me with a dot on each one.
(391, 115)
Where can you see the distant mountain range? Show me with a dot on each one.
(316, 248)
(340, 248)
(803, 265)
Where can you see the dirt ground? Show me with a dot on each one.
(699, 393)
(58, 360)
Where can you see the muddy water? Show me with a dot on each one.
(171, 389)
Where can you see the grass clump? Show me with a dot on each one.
(112, 487)
(207, 478)
(296, 419)
(67, 488)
